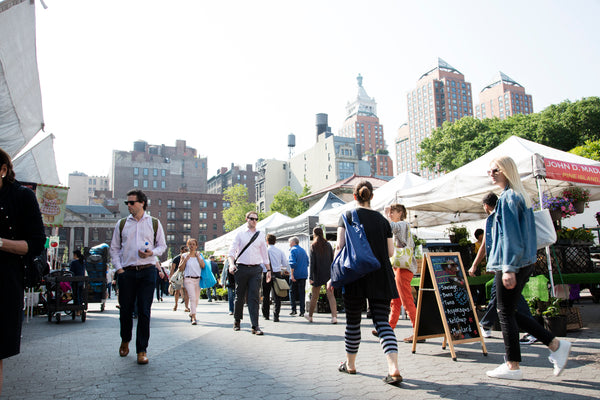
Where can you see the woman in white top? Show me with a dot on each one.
(191, 264)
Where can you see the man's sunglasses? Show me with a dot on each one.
(131, 202)
(253, 219)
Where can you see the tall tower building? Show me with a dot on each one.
(362, 124)
(441, 95)
(502, 98)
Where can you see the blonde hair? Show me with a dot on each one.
(509, 169)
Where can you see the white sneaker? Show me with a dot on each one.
(560, 356)
(486, 333)
(502, 372)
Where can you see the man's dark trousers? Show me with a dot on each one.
(136, 285)
(247, 282)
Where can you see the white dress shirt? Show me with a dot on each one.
(124, 250)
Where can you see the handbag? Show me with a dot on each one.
(281, 287)
(544, 228)
(356, 259)
(207, 278)
(177, 279)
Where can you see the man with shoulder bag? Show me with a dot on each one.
(246, 253)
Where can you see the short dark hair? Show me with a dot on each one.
(271, 239)
(490, 199)
(141, 196)
(78, 254)
(478, 232)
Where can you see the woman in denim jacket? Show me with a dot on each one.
(511, 249)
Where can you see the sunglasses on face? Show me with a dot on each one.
(252, 219)
(130, 202)
(493, 171)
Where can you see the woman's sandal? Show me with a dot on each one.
(393, 380)
(344, 368)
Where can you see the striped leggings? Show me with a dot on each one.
(380, 311)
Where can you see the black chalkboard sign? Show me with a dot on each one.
(444, 306)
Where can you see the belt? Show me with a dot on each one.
(248, 265)
(138, 267)
(192, 277)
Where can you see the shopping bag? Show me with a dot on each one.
(177, 279)
(281, 287)
(356, 259)
(207, 278)
(544, 228)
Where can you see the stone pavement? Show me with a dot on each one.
(293, 360)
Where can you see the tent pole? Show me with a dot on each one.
(548, 258)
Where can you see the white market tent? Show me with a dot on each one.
(220, 245)
(21, 117)
(460, 191)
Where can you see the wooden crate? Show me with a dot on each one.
(574, 321)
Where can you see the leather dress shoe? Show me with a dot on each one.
(236, 326)
(142, 358)
(124, 349)
(257, 331)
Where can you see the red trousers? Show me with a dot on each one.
(403, 278)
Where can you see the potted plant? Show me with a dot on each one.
(536, 306)
(554, 321)
(579, 196)
(457, 232)
(560, 207)
(574, 236)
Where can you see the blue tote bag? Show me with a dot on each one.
(356, 259)
(207, 278)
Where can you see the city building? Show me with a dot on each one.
(441, 95)
(185, 215)
(84, 226)
(158, 168)
(226, 178)
(82, 187)
(331, 159)
(502, 98)
(362, 124)
(272, 175)
(343, 189)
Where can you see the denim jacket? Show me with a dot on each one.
(510, 238)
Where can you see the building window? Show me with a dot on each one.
(170, 203)
(187, 216)
(187, 227)
(136, 171)
(187, 204)
(171, 215)
(136, 183)
(214, 204)
(202, 215)
(186, 238)
(155, 184)
(170, 226)
(155, 172)
(203, 227)
(145, 171)
(214, 215)
(202, 204)
(145, 183)
(170, 238)
(163, 172)
(215, 227)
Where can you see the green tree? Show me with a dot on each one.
(562, 126)
(591, 150)
(235, 215)
(287, 202)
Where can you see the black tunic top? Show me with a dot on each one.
(320, 265)
(20, 219)
(379, 284)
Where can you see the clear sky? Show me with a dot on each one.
(234, 78)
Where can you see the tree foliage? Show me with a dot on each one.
(235, 215)
(562, 126)
(287, 202)
(591, 150)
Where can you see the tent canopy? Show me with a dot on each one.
(460, 191)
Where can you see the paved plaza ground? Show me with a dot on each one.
(293, 360)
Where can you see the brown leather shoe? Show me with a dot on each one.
(124, 349)
(236, 326)
(142, 358)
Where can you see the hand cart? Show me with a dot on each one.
(59, 295)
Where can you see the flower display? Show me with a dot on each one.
(575, 234)
(577, 193)
(564, 204)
